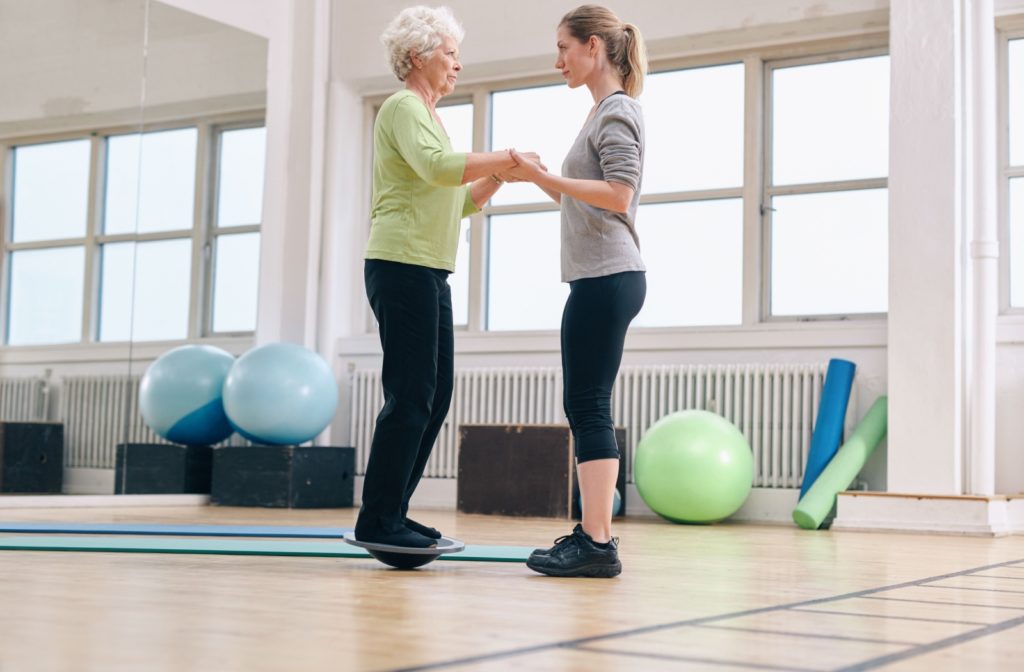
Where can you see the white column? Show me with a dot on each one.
(297, 74)
(926, 230)
(981, 100)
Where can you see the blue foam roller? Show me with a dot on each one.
(828, 428)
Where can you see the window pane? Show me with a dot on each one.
(51, 191)
(458, 122)
(830, 253)
(694, 257)
(46, 296)
(160, 285)
(240, 182)
(545, 120)
(164, 197)
(525, 289)
(459, 280)
(235, 282)
(1017, 102)
(830, 121)
(694, 129)
(1017, 241)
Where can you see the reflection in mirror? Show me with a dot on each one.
(71, 72)
(131, 171)
(185, 273)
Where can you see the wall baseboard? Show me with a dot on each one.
(994, 516)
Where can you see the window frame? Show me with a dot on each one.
(202, 233)
(770, 190)
(753, 192)
(212, 228)
(1008, 32)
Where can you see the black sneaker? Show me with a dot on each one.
(577, 554)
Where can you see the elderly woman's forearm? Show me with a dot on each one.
(485, 164)
(482, 189)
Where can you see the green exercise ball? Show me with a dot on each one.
(693, 467)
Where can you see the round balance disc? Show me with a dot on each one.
(403, 557)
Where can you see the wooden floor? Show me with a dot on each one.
(724, 597)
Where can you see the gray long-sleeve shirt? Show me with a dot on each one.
(610, 147)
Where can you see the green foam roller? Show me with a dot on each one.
(843, 467)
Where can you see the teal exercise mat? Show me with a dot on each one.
(214, 546)
(156, 529)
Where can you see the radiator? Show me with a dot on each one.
(773, 405)
(23, 399)
(530, 396)
(100, 412)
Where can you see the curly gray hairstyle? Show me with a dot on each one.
(420, 29)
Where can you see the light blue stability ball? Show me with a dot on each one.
(280, 393)
(180, 395)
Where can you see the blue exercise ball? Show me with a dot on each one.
(180, 395)
(280, 394)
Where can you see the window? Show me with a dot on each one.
(145, 246)
(827, 194)
(46, 295)
(125, 265)
(45, 252)
(692, 238)
(524, 288)
(690, 221)
(800, 170)
(458, 122)
(236, 237)
(1015, 172)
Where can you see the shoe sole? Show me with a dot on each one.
(587, 571)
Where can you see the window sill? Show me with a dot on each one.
(73, 353)
(831, 335)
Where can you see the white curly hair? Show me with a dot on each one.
(420, 29)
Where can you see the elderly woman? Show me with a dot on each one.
(421, 191)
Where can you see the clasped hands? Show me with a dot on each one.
(528, 167)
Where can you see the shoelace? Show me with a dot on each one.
(564, 541)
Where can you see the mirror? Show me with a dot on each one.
(131, 180)
(191, 258)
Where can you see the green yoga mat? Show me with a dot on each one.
(215, 546)
(843, 467)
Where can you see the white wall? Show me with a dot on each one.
(79, 63)
(518, 37)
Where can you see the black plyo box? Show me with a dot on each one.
(523, 470)
(298, 477)
(161, 469)
(31, 457)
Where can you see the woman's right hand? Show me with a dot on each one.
(528, 166)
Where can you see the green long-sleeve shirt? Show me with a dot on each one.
(418, 196)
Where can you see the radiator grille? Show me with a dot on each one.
(774, 405)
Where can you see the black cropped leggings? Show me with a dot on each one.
(594, 323)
